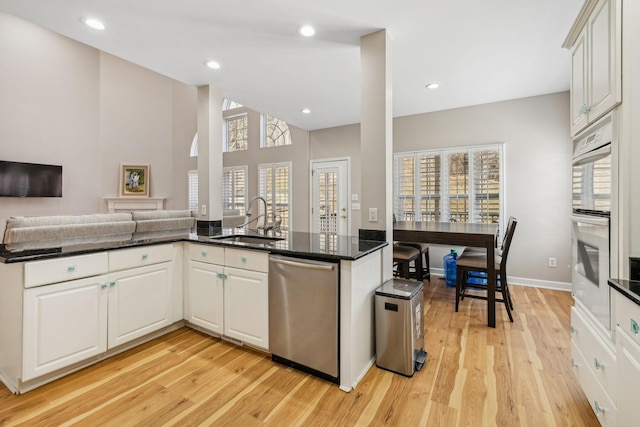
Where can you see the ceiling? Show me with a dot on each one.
(478, 50)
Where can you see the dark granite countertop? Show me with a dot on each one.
(628, 288)
(306, 245)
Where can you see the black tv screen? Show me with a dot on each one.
(30, 180)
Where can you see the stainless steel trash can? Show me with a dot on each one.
(399, 323)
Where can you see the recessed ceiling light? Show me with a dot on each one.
(306, 111)
(307, 30)
(213, 65)
(96, 24)
(433, 86)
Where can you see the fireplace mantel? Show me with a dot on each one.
(128, 204)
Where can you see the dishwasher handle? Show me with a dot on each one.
(324, 267)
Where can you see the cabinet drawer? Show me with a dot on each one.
(38, 273)
(600, 402)
(206, 253)
(247, 260)
(138, 257)
(598, 356)
(628, 316)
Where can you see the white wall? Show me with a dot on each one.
(68, 104)
(538, 171)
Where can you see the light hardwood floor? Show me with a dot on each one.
(514, 375)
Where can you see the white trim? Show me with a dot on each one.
(522, 281)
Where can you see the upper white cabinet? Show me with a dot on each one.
(595, 43)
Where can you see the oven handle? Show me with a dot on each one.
(589, 219)
(592, 156)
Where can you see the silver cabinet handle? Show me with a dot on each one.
(598, 409)
(145, 257)
(303, 264)
(71, 269)
(634, 327)
(597, 364)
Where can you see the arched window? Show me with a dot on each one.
(193, 152)
(275, 132)
(228, 104)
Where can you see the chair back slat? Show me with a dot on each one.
(506, 244)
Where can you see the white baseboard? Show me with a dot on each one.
(536, 283)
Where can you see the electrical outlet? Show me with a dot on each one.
(203, 210)
(373, 214)
(552, 262)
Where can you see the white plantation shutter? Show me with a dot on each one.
(234, 189)
(463, 184)
(275, 186)
(193, 190)
(486, 185)
(404, 188)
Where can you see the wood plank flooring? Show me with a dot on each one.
(514, 375)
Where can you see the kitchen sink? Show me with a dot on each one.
(254, 240)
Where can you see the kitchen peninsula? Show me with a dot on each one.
(67, 307)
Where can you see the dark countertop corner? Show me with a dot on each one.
(628, 288)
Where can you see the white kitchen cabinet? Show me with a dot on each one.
(594, 364)
(139, 302)
(205, 299)
(246, 306)
(596, 84)
(63, 323)
(628, 354)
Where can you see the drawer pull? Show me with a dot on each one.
(221, 276)
(103, 286)
(597, 364)
(599, 409)
(243, 259)
(573, 363)
(573, 330)
(145, 257)
(203, 254)
(634, 327)
(71, 269)
(112, 284)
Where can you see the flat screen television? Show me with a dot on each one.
(30, 180)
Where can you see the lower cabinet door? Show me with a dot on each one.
(64, 323)
(139, 302)
(205, 293)
(628, 358)
(246, 306)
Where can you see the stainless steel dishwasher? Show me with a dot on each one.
(303, 315)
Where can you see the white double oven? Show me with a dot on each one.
(592, 182)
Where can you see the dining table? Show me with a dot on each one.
(457, 234)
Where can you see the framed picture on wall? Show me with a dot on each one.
(134, 180)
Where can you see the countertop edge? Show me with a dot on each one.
(35, 255)
(614, 283)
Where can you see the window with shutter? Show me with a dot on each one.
(458, 185)
(192, 191)
(275, 187)
(234, 190)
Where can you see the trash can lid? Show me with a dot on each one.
(400, 288)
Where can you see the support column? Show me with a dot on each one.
(209, 160)
(376, 143)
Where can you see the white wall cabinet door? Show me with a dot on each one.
(205, 296)
(139, 302)
(246, 306)
(63, 324)
(596, 59)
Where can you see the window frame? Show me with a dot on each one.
(288, 227)
(243, 207)
(264, 120)
(229, 118)
(444, 196)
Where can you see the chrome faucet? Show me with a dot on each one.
(250, 213)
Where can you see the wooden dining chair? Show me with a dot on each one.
(471, 273)
(424, 258)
